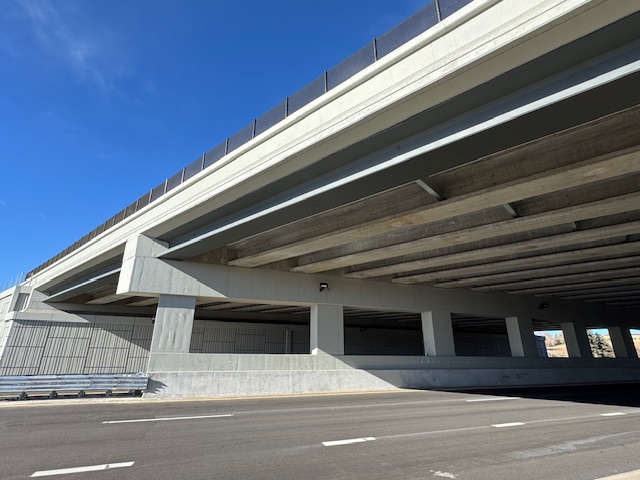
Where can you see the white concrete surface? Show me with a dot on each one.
(326, 330)
(437, 333)
(521, 337)
(576, 339)
(235, 375)
(148, 276)
(173, 324)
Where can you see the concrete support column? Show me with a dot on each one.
(577, 340)
(437, 334)
(327, 330)
(622, 342)
(173, 324)
(522, 340)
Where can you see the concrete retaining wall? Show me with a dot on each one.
(238, 375)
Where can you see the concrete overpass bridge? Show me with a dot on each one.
(410, 218)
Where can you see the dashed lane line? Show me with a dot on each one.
(91, 468)
(612, 414)
(467, 429)
(504, 425)
(166, 419)
(349, 441)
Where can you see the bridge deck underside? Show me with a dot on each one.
(556, 217)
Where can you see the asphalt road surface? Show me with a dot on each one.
(573, 434)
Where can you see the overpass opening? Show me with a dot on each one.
(635, 335)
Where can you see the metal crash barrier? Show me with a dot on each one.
(21, 387)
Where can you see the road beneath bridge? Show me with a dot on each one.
(579, 433)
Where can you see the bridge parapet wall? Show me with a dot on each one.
(234, 375)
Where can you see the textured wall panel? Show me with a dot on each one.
(250, 341)
(375, 341)
(139, 364)
(275, 341)
(70, 330)
(300, 342)
(66, 347)
(111, 336)
(54, 365)
(34, 334)
(219, 340)
(482, 345)
(197, 337)
(18, 359)
(75, 348)
(108, 360)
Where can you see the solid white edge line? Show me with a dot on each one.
(612, 414)
(91, 468)
(348, 442)
(167, 419)
(512, 424)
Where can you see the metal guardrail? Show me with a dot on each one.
(430, 15)
(24, 386)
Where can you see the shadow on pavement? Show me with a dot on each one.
(624, 394)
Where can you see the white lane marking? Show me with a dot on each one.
(493, 399)
(444, 474)
(92, 468)
(612, 414)
(348, 442)
(162, 419)
(512, 424)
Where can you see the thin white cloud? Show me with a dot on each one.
(3, 203)
(68, 37)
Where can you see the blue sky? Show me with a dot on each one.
(101, 100)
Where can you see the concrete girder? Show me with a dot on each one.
(562, 279)
(628, 290)
(583, 173)
(144, 303)
(388, 202)
(615, 284)
(615, 298)
(253, 308)
(625, 303)
(222, 306)
(430, 189)
(613, 132)
(570, 257)
(609, 206)
(527, 247)
(292, 310)
(106, 299)
(595, 266)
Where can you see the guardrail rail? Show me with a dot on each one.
(21, 387)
